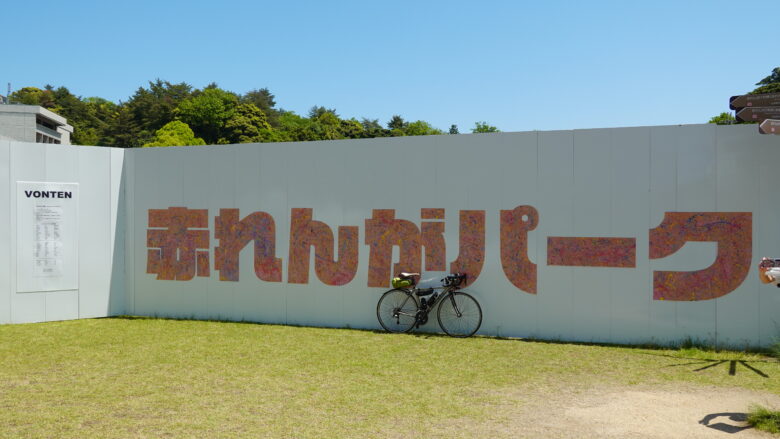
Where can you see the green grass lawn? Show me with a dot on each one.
(764, 419)
(126, 377)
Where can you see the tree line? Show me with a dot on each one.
(168, 114)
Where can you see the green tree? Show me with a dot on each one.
(248, 124)
(33, 96)
(454, 129)
(396, 123)
(397, 126)
(770, 84)
(293, 127)
(175, 133)
(484, 127)
(100, 108)
(773, 78)
(212, 114)
(421, 128)
(122, 131)
(372, 128)
(316, 112)
(90, 118)
(351, 129)
(723, 119)
(326, 124)
(208, 111)
(769, 88)
(154, 107)
(264, 100)
(322, 124)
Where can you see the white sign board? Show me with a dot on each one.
(47, 231)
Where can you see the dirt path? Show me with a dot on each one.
(692, 412)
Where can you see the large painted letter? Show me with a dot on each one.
(383, 232)
(304, 233)
(175, 251)
(515, 225)
(591, 252)
(433, 239)
(733, 231)
(234, 235)
(471, 255)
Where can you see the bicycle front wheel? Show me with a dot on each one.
(459, 315)
(397, 311)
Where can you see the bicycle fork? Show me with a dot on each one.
(455, 306)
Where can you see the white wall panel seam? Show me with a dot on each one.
(130, 231)
(45, 177)
(80, 229)
(756, 223)
(111, 229)
(611, 229)
(537, 327)
(756, 233)
(286, 258)
(572, 224)
(676, 208)
(9, 250)
(646, 233)
(714, 143)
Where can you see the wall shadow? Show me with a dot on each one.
(116, 295)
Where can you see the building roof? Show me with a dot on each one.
(57, 120)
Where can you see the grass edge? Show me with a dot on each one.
(764, 419)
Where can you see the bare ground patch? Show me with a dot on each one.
(623, 412)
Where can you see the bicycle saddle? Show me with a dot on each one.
(404, 274)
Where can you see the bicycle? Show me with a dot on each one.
(406, 306)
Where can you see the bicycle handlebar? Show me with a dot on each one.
(456, 279)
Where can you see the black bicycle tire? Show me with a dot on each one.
(446, 304)
(391, 328)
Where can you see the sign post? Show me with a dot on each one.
(769, 126)
(758, 114)
(761, 100)
(762, 108)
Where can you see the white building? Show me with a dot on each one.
(33, 123)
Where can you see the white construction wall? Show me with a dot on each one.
(96, 286)
(627, 235)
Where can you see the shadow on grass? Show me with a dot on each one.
(709, 363)
(243, 322)
(684, 344)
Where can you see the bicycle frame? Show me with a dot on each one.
(423, 311)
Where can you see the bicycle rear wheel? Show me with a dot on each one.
(459, 315)
(397, 311)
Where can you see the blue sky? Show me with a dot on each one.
(519, 65)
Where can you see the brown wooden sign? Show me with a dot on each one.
(769, 126)
(759, 100)
(758, 114)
